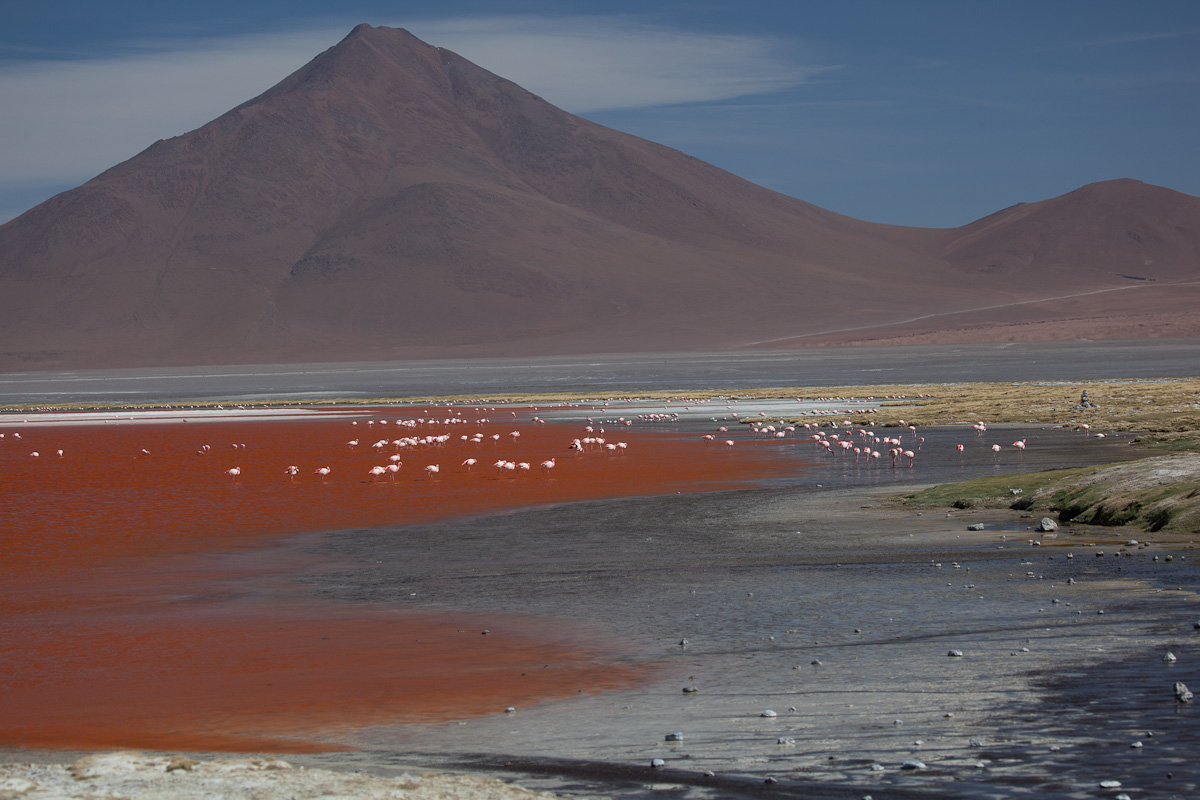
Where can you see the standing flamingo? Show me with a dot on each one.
(547, 465)
(291, 471)
(375, 472)
(234, 472)
(432, 469)
(470, 462)
(323, 472)
(910, 455)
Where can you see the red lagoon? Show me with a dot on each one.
(117, 630)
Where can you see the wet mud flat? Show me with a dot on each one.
(830, 607)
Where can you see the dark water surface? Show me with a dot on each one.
(817, 366)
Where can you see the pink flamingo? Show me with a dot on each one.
(375, 472)
(958, 447)
(234, 472)
(432, 469)
(470, 462)
(291, 471)
(996, 450)
(392, 470)
(1020, 444)
(547, 465)
(910, 455)
(323, 472)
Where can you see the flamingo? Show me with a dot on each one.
(322, 471)
(958, 447)
(234, 472)
(291, 471)
(547, 465)
(996, 450)
(910, 455)
(431, 470)
(1020, 444)
(375, 472)
(470, 462)
(392, 470)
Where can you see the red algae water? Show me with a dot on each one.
(120, 629)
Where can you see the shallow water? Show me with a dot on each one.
(761, 581)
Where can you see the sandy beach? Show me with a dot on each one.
(798, 586)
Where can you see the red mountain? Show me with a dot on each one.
(391, 199)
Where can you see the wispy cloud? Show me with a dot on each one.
(68, 119)
(602, 63)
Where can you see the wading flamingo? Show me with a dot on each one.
(291, 471)
(234, 472)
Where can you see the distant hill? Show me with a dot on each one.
(392, 200)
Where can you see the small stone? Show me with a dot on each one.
(1136, 745)
(770, 779)
(1047, 525)
(657, 762)
(913, 763)
(877, 768)
(978, 526)
(677, 736)
(1132, 543)
(1110, 784)
(768, 713)
(1182, 693)
(975, 743)
(181, 762)
(690, 690)
(785, 740)
(955, 654)
(1169, 658)
(510, 710)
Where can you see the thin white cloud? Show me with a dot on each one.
(66, 121)
(587, 64)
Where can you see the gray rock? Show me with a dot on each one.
(768, 713)
(978, 526)
(1047, 524)
(1182, 694)
(955, 654)
(656, 763)
(677, 736)
(913, 763)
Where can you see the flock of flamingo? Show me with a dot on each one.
(841, 437)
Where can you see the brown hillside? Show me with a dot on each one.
(391, 199)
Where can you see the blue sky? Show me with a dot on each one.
(910, 113)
